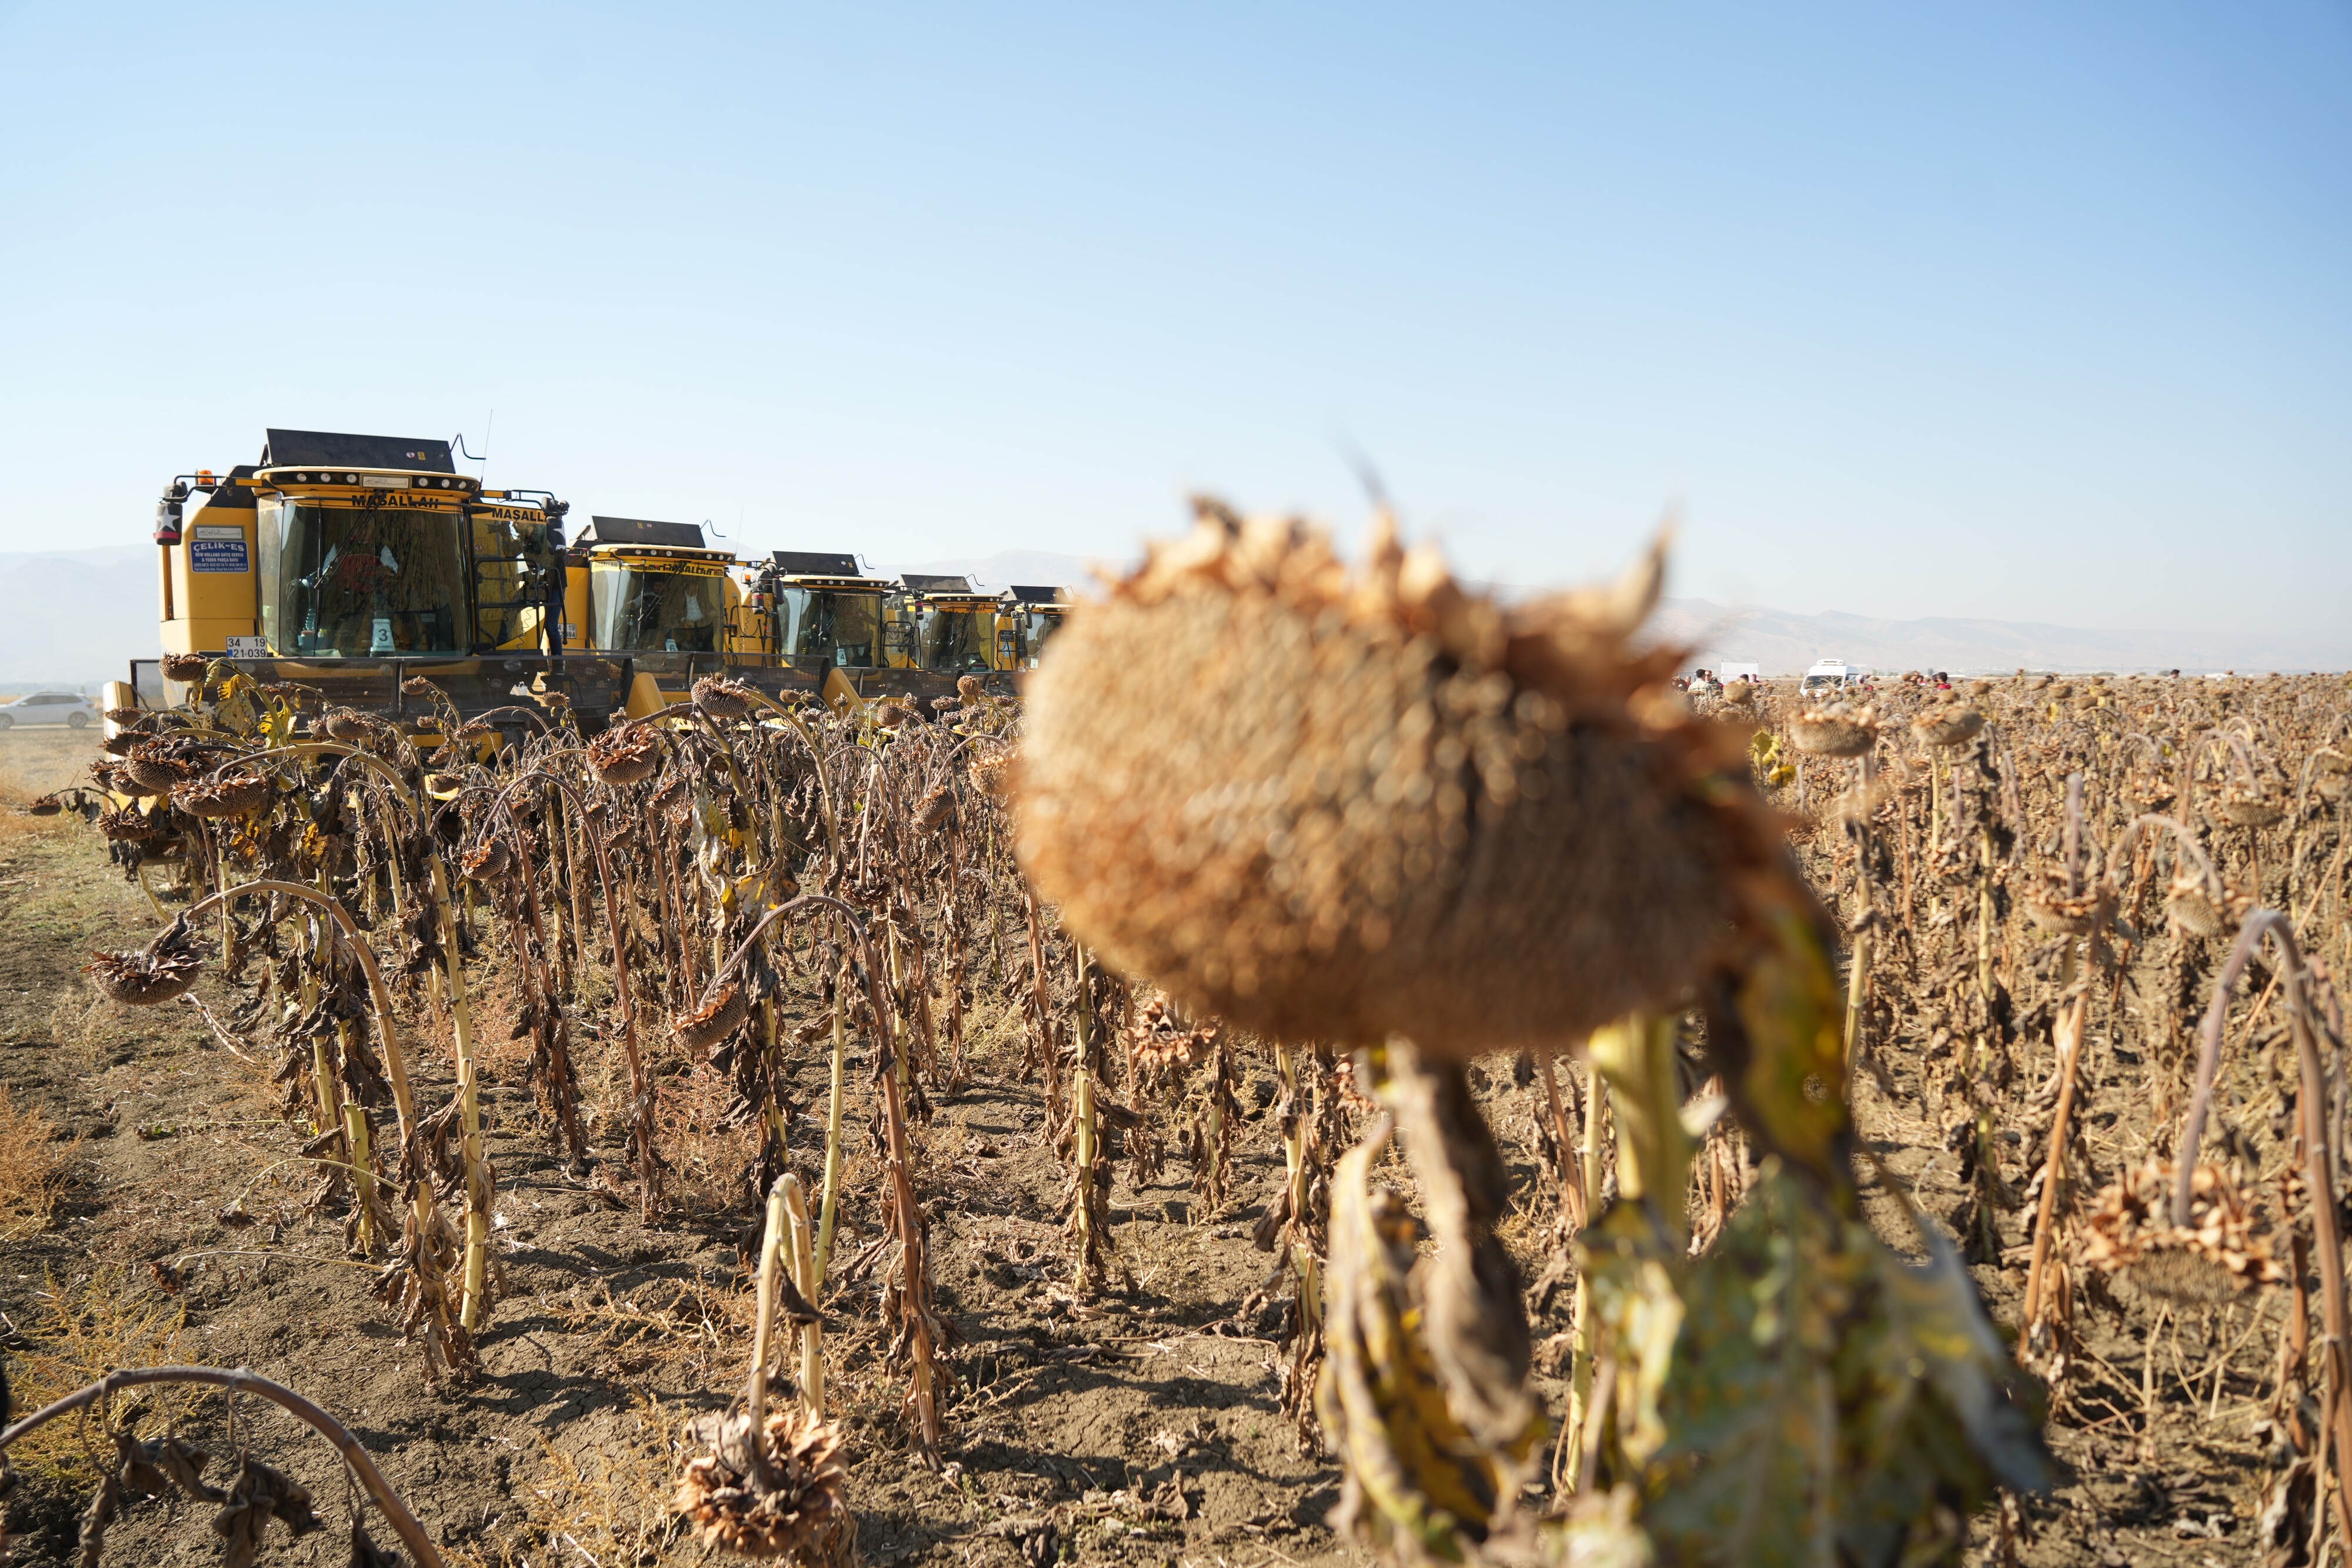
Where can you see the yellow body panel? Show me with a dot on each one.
(648, 697)
(575, 604)
(205, 605)
(840, 694)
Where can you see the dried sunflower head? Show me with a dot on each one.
(724, 698)
(1951, 725)
(988, 770)
(2247, 809)
(626, 754)
(45, 806)
(2053, 909)
(156, 973)
(347, 724)
(157, 767)
(967, 690)
(487, 860)
(892, 715)
(238, 795)
(129, 825)
(937, 808)
(673, 802)
(184, 666)
(125, 714)
(2191, 907)
(1378, 803)
(802, 1517)
(2216, 1257)
(1838, 730)
(717, 1015)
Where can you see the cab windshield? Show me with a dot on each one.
(643, 610)
(834, 626)
(955, 641)
(346, 581)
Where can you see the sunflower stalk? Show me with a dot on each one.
(804, 1279)
(830, 1206)
(474, 1276)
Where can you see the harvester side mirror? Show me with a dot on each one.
(169, 513)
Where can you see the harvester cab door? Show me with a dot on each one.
(898, 611)
(513, 566)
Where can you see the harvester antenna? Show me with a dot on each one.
(458, 440)
(1368, 475)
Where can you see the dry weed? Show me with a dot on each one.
(34, 1168)
(712, 1151)
(606, 1501)
(79, 1016)
(81, 1331)
(687, 1338)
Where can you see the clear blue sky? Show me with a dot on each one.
(2030, 311)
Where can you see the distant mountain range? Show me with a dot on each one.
(74, 618)
(1786, 645)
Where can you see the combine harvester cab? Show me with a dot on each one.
(659, 597)
(1032, 614)
(812, 624)
(938, 629)
(344, 565)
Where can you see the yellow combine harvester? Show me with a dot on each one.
(345, 564)
(1035, 612)
(814, 622)
(805, 622)
(659, 596)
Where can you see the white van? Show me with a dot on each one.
(1832, 675)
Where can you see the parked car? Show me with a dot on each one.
(47, 707)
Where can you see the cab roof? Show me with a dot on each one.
(814, 563)
(639, 531)
(332, 449)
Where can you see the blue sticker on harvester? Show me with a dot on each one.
(218, 555)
